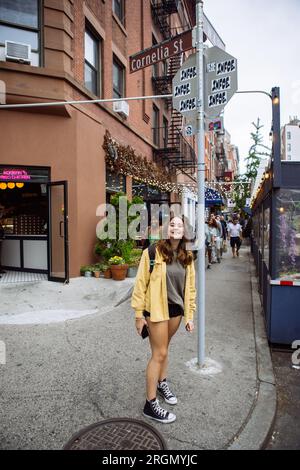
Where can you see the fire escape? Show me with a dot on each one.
(174, 150)
(161, 11)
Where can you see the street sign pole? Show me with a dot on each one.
(201, 190)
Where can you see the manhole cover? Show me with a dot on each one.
(117, 434)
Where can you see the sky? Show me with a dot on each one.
(264, 36)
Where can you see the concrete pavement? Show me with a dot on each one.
(62, 376)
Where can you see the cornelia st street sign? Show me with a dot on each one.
(164, 50)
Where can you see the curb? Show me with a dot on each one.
(127, 296)
(256, 429)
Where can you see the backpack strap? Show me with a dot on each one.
(151, 253)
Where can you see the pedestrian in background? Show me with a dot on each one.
(235, 236)
(160, 300)
(224, 234)
(215, 240)
(208, 244)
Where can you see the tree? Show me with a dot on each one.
(257, 150)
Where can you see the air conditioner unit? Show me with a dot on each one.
(121, 107)
(18, 52)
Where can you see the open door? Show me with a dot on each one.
(58, 244)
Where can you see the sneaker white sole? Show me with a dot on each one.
(173, 402)
(171, 418)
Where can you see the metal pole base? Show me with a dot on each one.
(209, 368)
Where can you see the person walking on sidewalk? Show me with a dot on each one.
(160, 300)
(208, 239)
(235, 235)
(224, 234)
(215, 240)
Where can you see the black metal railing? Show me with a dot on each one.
(173, 149)
(161, 11)
(162, 81)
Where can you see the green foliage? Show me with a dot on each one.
(109, 247)
(86, 267)
(256, 151)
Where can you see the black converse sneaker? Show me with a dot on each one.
(153, 410)
(165, 392)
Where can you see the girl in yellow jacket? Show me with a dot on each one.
(160, 300)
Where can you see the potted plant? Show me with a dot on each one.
(133, 266)
(86, 271)
(118, 268)
(106, 271)
(96, 270)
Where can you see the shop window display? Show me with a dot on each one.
(266, 236)
(288, 234)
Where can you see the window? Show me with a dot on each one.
(91, 63)
(118, 79)
(155, 128)
(289, 147)
(19, 22)
(165, 132)
(289, 135)
(119, 9)
(289, 157)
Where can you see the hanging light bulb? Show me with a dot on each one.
(11, 185)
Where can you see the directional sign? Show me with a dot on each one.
(220, 80)
(185, 88)
(212, 34)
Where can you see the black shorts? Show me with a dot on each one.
(235, 241)
(174, 311)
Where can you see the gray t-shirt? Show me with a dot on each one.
(175, 282)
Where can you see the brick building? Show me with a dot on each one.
(59, 50)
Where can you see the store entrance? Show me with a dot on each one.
(58, 246)
(33, 225)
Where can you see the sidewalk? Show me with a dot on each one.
(61, 377)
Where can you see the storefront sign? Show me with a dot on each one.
(24, 174)
(163, 51)
(20, 175)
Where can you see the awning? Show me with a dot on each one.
(247, 210)
(212, 198)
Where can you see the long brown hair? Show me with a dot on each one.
(184, 256)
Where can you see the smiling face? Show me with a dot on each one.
(176, 229)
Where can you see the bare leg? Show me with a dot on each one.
(173, 325)
(158, 335)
